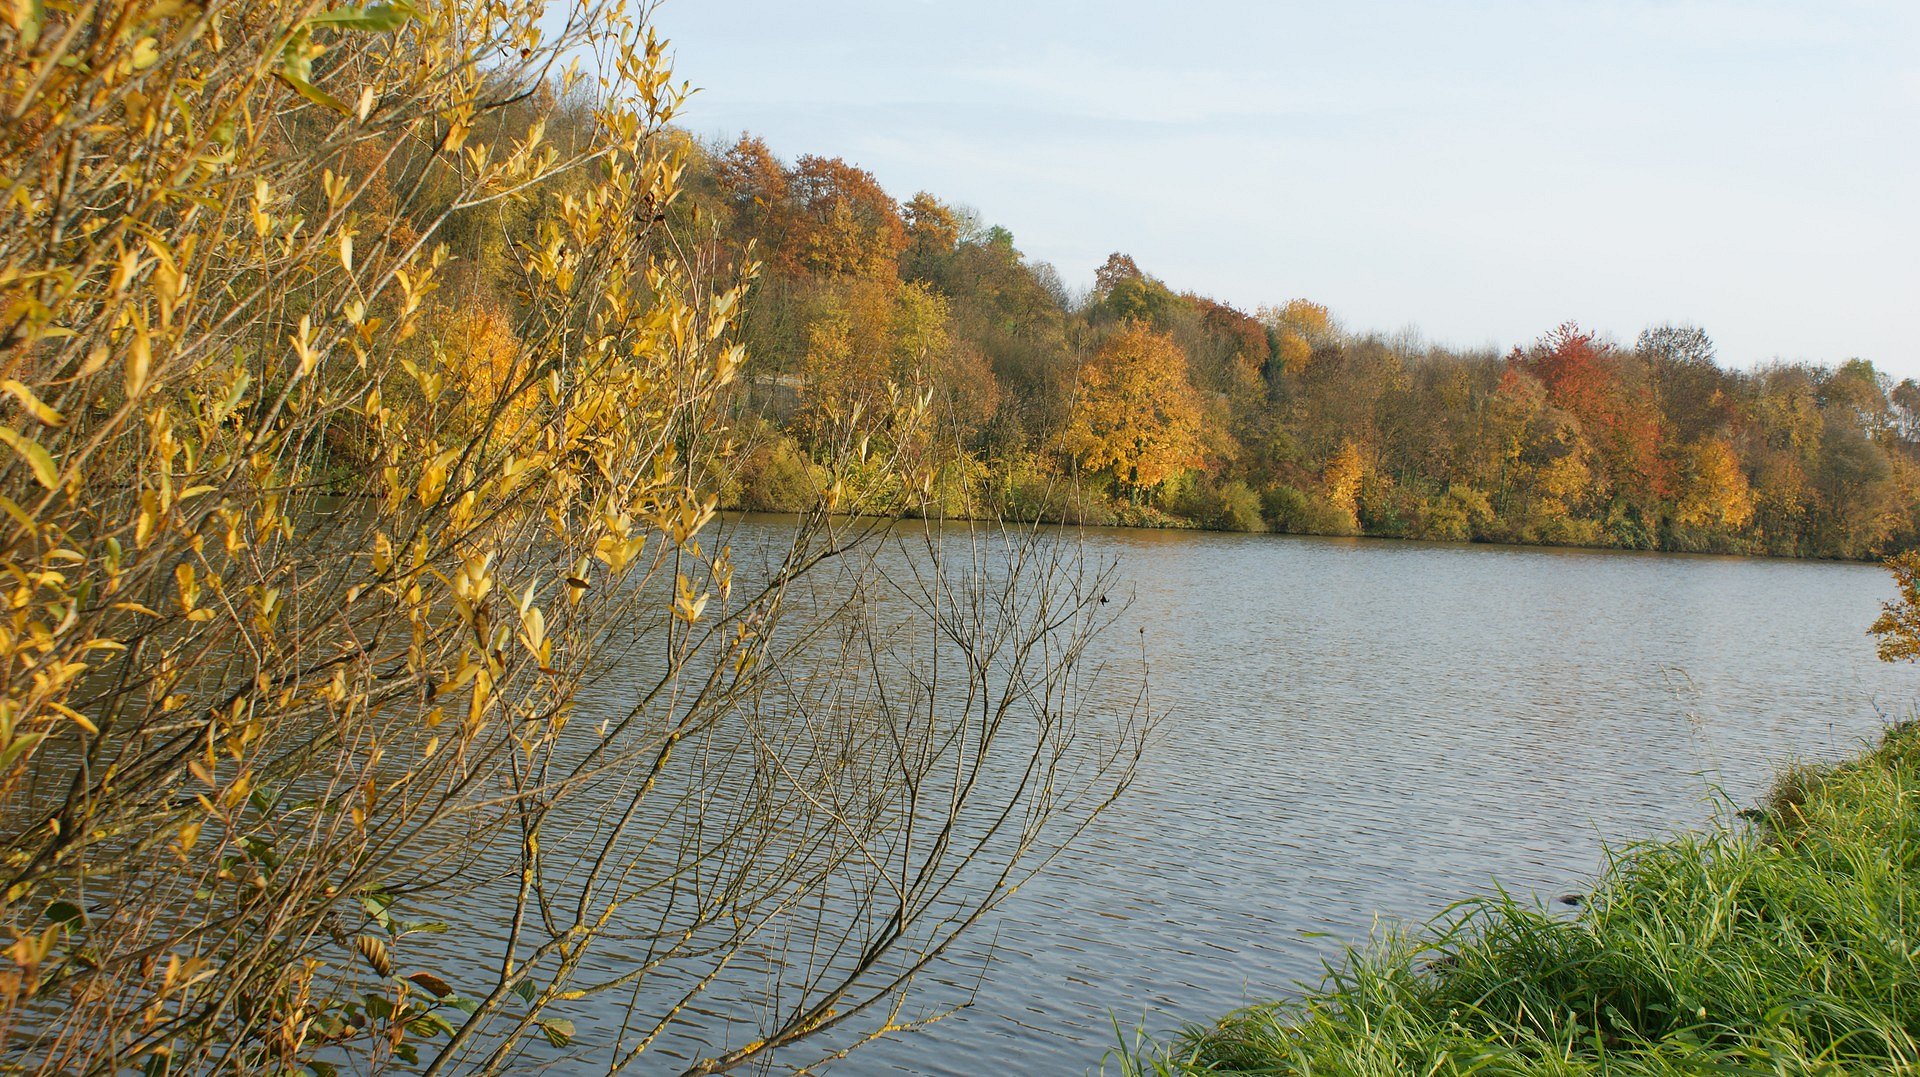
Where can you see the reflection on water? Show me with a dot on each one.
(1363, 728)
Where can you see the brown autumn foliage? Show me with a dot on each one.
(1898, 626)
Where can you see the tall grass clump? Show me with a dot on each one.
(1782, 946)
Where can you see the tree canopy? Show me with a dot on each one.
(1137, 402)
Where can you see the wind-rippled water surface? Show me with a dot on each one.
(1360, 729)
(1353, 730)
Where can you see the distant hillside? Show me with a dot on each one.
(1142, 404)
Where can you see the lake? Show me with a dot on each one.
(1358, 733)
(1365, 729)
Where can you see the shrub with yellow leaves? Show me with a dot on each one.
(308, 565)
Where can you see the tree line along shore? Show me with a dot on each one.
(1139, 404)
(1135, 403)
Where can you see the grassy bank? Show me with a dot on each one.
(1784, 943)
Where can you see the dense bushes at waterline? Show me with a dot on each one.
(1782, 943)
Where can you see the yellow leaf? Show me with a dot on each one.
(433, 481)
(166, 280)
(189, 588)
(34, 454)
(76, 717)
(140, 361)
(302, 340)
(33, 403)
(96, 361)
(19, 514)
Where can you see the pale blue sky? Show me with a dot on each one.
(1480, 171)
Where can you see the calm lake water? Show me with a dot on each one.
(1361, 732)
(1363, 729)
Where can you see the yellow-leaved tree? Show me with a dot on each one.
(1134, 412)
(1715, 491)
(1298, 328)
(1343, 478)
(377, 689)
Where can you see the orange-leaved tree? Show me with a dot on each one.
(1898, 626)
(848, 225)
(1613, 400)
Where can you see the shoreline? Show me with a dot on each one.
(1773, 937)
(1176, 528)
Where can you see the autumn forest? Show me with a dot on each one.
(1141, 404)
(386, 685)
